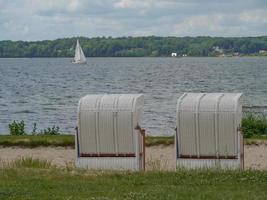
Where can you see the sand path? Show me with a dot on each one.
(157, 157)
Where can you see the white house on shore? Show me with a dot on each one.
(174, 54)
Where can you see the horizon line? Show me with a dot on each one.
(120, 37)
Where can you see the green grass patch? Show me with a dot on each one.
(256, 141)
(35, 183)
(32, 141)
(159, 140)
(29, 162)
(64, 140)
(37, 140)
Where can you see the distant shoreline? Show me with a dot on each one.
(152, 46)
(244, 56)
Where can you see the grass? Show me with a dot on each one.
(39, 181)
(63, 140)
(254, 126)
(256, 141)
(159, 140)
(29, 162)
(32, 141)
(37, 140)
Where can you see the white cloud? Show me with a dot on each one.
(258, 16)
(123, 4)
(53, 4)
(199, 25)
(246, 23)
(133, 4)
(197, 22)
(50, 19)
(13, 27)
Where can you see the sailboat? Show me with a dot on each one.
(79, 57)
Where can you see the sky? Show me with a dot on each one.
(32, 20)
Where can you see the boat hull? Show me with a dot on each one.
(78, 62)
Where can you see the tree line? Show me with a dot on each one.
(135, 46)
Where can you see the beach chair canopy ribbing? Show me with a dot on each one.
(107, 126)
(208, 129)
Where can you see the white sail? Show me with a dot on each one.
(79, 57)
(83, 59)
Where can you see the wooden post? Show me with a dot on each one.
(143, 132)
(140, 137)
(241, 131)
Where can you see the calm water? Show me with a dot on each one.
(47, 90)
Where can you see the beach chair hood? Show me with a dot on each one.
(106, 125)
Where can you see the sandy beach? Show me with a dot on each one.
(157, 157)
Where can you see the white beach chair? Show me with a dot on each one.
(108, 134)
(208, 131)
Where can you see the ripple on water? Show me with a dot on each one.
(19, 102)
(24, 112)
(50, 108)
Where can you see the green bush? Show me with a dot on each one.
(17, 128)
(51, 131)
(254, 126)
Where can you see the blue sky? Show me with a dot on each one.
(51, 19)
